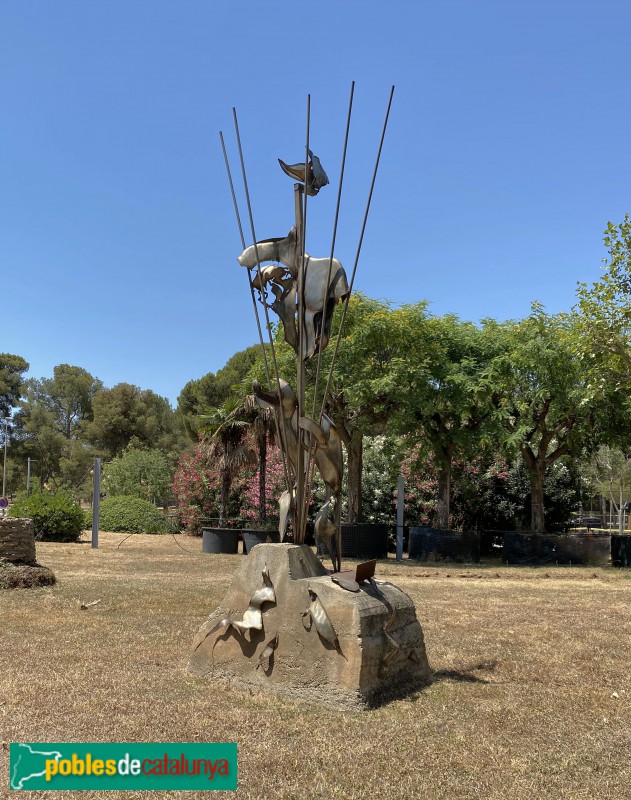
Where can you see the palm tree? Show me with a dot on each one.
(263, 424)
(224, 435)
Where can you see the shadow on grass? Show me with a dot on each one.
(415, 692)
(466, 674)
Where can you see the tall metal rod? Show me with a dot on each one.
(254, 306)
(256, 312)
(350, 288)
(333, 239)
(359, 246)
(301, 225)
(310, 461)
(258, 264)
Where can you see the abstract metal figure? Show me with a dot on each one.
(325, 284)
(325, 443)
(253, 617)
(305, 292)
(311, 174)
(265, 659)
(316, 614)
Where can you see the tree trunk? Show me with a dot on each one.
(537, 518)
(226, 481)
(355, 452)
(262, 448)
(444, 489)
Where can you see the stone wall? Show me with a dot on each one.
(17, 540)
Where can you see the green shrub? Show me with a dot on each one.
(56, 517)
(131, 515)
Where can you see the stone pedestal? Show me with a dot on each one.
(17, 540)
(317, 640)
(18, 567)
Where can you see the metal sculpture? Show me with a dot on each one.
(311, 174)
(325, 284)
(317, 616)
(326, 445)
(303, 292)
(253, 616)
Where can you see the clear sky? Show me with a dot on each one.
(506, 154)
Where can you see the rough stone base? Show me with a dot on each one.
(17, 540)
(24, 576)
(379, 652)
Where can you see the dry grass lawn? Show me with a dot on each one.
(531, 694)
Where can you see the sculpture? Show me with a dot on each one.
(311, 174)
(325, 284)
(331, 637)
(305, 291)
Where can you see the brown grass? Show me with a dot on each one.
(531, 697)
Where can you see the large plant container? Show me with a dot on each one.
(365, 540)
(220, 540)
(620, 550)
(252, 537)
(549, 548)
(434, 544)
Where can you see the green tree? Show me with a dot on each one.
(605, 307)
(126, 414)
(609, 473)
(224, 430)
(545, 398)
(11, 370)
(436, 384)
(69, 393)
(50, 425)
(212, 390)
(139, 473)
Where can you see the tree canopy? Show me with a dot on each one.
(12, 369)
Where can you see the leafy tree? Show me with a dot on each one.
(436, 384)
(139, 473)
(50, 425)
(605, 308)
(11, 370)
(609, 472)
(69, 394)
(544, 396)
(212, 390)
(38, 436)
(126, 414)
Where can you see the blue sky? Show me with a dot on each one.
(506, 154)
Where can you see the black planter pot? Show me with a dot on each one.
(433, 544)
(361, 540)
(620, 550)
(549, 548)
(220, 540)
(252, 537)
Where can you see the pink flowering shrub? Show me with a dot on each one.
(248, 483)
(197, 485)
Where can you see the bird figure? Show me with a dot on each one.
(311, 174)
